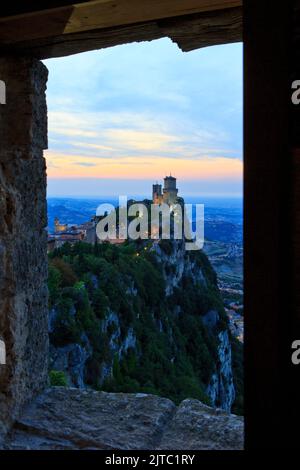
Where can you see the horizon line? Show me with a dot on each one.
(83, 196)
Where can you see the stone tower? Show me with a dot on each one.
(157, 196)
(170, 191)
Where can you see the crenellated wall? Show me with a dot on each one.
(23, 218)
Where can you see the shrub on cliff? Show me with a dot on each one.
(57, 378)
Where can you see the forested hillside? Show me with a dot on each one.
(141, 317)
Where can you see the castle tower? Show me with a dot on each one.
(170, 191)
(157, 196)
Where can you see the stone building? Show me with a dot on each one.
(58, 227)
(169, 193)
(157, 196)
(71, 233)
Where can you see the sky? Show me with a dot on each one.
(124, 117)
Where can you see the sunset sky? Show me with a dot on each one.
(124, 117)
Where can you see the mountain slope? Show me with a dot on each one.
(141, 317)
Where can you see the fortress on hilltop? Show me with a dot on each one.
(167, 195)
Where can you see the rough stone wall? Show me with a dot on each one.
(23, 217)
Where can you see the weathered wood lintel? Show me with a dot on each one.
(100, 14)
(189, 32)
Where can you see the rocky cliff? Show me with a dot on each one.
(69, 419)
(143, 317)
(220, 388)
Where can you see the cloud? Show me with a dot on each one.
(141, 110)
(88, 164)
(116, 135)
(64, 131)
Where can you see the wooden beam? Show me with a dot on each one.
(188, 32)
(206, 29)
(100, 14)
(20, 7)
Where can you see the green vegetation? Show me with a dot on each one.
(57, 378)
(173, 354)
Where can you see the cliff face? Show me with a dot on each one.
(220, 388)
(140, 318)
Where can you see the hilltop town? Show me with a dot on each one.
(219, 253)
(86, 232)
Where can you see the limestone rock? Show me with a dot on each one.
(68, 418)
(71, 360)
(196, 426)
(221, 388)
